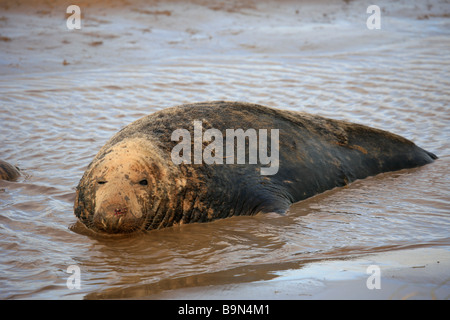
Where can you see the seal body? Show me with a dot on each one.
(8, 172)
(134, 183)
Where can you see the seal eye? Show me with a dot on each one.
(143, 182)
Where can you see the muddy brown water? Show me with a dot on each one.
(53, 122)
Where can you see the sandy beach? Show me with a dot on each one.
(411, 274)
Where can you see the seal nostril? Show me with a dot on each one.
(118, 212)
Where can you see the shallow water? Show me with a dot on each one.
(53, 122)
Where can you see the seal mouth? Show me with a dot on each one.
(120, 211)
(117, 220)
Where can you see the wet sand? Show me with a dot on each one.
(408, 274)
(64, 93)
(35, 37)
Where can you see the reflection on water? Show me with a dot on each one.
(52, 124)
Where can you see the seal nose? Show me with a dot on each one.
(120, 211)
(116, 217)
(112, 218)
(113, 211)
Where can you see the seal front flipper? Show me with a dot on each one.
(255, 195)
(274, 204)
(265, 198)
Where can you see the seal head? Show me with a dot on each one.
(8, 172)
(119, 191)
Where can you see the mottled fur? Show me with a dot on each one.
(316, 154)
